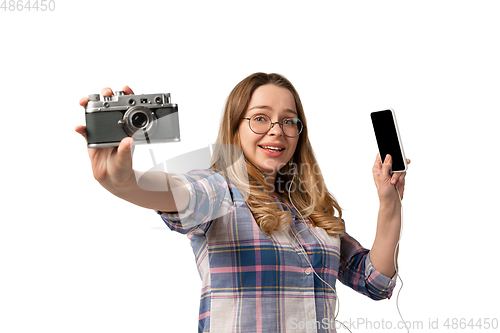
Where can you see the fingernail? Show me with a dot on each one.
(386, 158)
(393, 181)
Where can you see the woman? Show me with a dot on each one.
(268, 237)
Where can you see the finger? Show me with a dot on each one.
(386, 167)
(83, 101)
(124, 153)
(398, 177)
(127, 90)
(377, 165)
(82, 130)
(107, 92)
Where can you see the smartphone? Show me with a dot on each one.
(388, 138)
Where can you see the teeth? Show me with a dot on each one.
(272, 148)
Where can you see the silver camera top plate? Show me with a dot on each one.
(120, 101)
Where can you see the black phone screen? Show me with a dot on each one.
(387, 138)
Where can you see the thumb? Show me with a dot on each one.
(82, 131)
(386, 167)
(124, 153)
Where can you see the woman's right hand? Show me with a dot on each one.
(112, 167)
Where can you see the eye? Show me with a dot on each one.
(260, 118)
(290, 121)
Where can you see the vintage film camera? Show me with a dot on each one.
(147, 118)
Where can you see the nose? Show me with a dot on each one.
(275, 129)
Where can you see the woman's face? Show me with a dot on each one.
(277, 103)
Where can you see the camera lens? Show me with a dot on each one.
(139, 120)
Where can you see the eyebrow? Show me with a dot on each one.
(265, 107)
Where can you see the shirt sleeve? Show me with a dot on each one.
(209, 199)
(356, 271)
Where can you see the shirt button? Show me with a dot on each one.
(307, 271)
(311, 314)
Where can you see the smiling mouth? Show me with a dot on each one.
(271, 148)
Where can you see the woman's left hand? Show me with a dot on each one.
(385, 182)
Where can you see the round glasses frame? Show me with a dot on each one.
(271, 125)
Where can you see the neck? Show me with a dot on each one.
(269, 179)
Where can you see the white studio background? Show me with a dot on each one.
(73, 258)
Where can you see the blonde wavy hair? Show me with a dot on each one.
(302, 174)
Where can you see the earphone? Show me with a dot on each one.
(337, 300)
(333, 289)
(395, 261)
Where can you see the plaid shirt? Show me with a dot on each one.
(255, 283)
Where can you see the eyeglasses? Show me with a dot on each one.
(261, 124)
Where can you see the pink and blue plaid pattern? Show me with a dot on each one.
(255, 283)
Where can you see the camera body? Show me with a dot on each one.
(149, 118)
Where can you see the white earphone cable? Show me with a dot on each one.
(395, 261)
(333, 289)
(337, 300)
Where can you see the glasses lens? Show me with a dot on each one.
(260, 123)
(292, 126)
